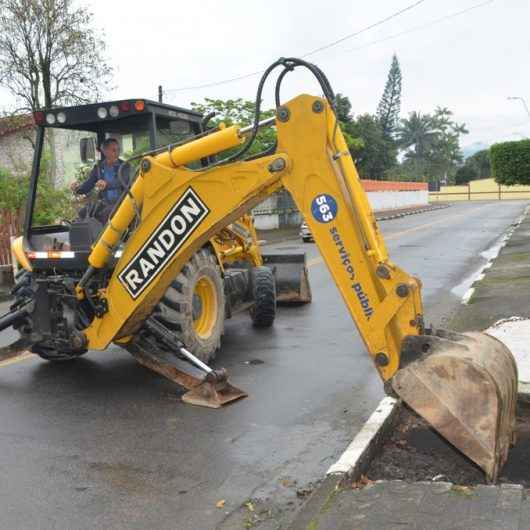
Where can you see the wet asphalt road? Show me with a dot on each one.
(104, 443)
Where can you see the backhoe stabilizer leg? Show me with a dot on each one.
(212, 390)
(465, 386)
(21, 345)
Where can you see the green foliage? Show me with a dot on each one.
(241, 112)
(465, 174)
(373, 152)
(432, 144)
(51, 204)
(390, 104)
(480, 162)
(343, 108)
(13, 192)
(510, 162)
(475, 167)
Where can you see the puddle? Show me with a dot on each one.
(414, 452)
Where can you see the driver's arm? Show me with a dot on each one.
(90, 182)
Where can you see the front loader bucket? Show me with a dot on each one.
(465, 386)
(290, 272)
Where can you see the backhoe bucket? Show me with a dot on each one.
(465, 386)
(292, 282)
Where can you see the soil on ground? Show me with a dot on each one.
(414, 451)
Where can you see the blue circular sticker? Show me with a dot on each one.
(324, 208)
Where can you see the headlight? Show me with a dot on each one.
(102, 113)
(114, 111)
(50, 118)
(61, 117)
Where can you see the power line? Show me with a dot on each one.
(418, 28)
(312, 52)
(351, 35)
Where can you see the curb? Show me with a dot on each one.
(360, 452)
(412, 212)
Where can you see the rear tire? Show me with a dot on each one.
(193, 307)
(264, 292)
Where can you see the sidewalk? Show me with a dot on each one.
(357, 503)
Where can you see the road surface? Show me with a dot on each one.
(104, 443)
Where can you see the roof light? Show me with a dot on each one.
(61, 117)
(125, 106)
(50, 118)
(114, 111)
(39, 117)
(102, 113)
(139, 105)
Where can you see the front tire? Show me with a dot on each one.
(264, 291)
(193, 307)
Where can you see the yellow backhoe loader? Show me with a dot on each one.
(465, 385)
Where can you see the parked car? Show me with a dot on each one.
(305, 233)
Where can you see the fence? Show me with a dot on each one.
(9, 227)
(480, 190)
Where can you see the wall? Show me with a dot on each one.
(278, 212)
(480, 190)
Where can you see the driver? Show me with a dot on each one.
(104, 178)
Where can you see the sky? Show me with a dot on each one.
(469, 63)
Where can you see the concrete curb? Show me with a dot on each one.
(361, 450)
(412, 212)
(352, 463)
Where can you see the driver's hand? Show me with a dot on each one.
(101, 185)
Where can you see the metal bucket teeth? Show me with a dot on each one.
(465, 386)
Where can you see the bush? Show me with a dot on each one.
(51, 205)
(465, 174)
(510, 162)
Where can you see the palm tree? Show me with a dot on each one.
(417, 132)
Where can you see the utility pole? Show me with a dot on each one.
(160, 93)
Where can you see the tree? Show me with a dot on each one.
(238, 111)
(432, 144)
(480, 161)
(510, 162)
(49, 53)
(375, 153)
(465, 174)
(390, 104)
(418, 134)
(343, 108)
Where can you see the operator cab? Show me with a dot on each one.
(66, 149)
